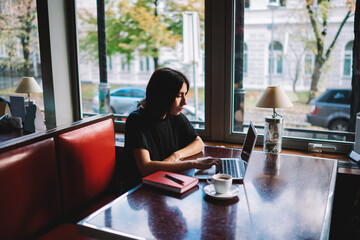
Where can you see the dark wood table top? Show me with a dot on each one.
(282, 197)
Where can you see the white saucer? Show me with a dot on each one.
(210, 191)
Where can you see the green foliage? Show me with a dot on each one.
(138, 25)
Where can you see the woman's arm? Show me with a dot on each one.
(146, 166)
(193, 148)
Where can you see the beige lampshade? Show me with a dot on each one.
(274, 97)
(28, 85)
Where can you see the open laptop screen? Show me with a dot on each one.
(249, 142)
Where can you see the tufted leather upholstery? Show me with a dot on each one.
(29, 189)
(87, 163)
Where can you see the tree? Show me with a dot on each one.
(139, 25)
(26, 15)
(319, 24)
(18, 21)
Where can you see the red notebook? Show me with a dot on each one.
(171, 181)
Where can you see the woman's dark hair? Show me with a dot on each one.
(162, 89)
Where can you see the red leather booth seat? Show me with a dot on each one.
(87, 164)
(29, 190)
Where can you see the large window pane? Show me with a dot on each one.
(19, 47)
(140, 37)
(294, 61)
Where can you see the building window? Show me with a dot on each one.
(276, 58)
(144, 64)
(141, 65)
(125, 65)
(348, 59)
(247, 3)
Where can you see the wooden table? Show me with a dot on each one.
(282, 197)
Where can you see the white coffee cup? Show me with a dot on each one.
(222, 182)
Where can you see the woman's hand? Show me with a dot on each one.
(207, 162)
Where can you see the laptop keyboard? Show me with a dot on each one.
(230, 167)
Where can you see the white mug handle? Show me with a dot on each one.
(209, 180)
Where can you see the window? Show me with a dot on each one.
(144, 64)
(276, 58)
(142, 36)
(228, 82)
(247, 3)
(336, 96)
(348, 59)
(122, 93)
(293, 41)
(138, 93)
(19, 47)
(125, 66)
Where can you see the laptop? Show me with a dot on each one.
(235, 167)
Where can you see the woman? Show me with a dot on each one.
(157, 135)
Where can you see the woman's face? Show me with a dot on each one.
(179, 102)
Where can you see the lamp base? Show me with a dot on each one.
(273, 132)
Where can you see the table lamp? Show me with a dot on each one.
(273, 97)
(28, 85)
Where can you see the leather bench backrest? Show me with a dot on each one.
(29, 189)
(87, 163)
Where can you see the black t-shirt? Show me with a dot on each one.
(160, 137)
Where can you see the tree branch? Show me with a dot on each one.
(314, 26)
(328, 51)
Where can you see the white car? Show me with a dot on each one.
(122, 100)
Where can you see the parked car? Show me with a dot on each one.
(331, 110)
(188, 111)
(122, 100)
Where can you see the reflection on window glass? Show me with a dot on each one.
(19, 48)
(142, 36)
(297, 61)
